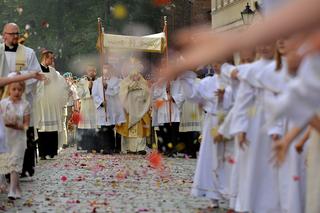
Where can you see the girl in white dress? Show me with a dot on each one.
(16, 117)
(4, 81)
(257, 189)
(216, 99)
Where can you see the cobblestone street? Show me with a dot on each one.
(81, 182)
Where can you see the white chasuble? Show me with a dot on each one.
(88, 109)
(49, 102)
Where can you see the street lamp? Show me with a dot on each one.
(247, 15)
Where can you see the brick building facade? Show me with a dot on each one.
(184, 13)
(201, 12)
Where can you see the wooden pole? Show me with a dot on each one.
(168, 86)
(102, 58)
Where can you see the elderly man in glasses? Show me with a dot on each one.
(22, 59)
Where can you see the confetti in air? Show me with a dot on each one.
(231, 160)
(252, 111)
(155, 159)
(28, 26)
(158, 103)
(75, 118)
(119, 11)
(20, 10)
(214, 132)
(180, 147)
(44, 24)
(159, 3)
(296, 178)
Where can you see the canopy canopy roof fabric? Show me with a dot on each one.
(155, 43)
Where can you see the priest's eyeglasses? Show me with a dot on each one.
(14, 34)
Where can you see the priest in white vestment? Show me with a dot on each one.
(109, 110)
(209, 180)
(190, 126)
(87, 125)
(48, 107)
(136, 99)
(166, 111)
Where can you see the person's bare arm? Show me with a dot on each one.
(280, 147)
(315, 123)
(299, 146)
(201, 46)
(7, 80)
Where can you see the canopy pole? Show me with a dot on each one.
(168, 87)
(102, 59)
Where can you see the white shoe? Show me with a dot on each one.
(18, 195)
(11, 195)
(214, 204)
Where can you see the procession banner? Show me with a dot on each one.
(155, 43)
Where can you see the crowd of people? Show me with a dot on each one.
(274, 116)
(259, 148)
(118, 112)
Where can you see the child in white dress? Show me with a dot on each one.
(16, 116)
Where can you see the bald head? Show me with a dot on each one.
(11, 34)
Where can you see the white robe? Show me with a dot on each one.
(191, 113)
(313, 172)
(292, 173)
(225, 130)
(161, 115)
(4, 68)
(4, 71)
(301, 100)
(257, 179)
(88, 109)
(209, 180)
(49, 102)
(115, 111)
(299, 103)
(191, 117)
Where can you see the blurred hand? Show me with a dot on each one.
(38, 75)
(280, 149)
(293, 61)
(218, 138)
(198, 46)
(46, 81)
(242, 140)
(14, 126)
(299, 147)
(220, 94)
(234, 74)
(90, 84)
(312, 45)
(275, 137)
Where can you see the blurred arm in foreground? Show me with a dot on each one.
(201, 45)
